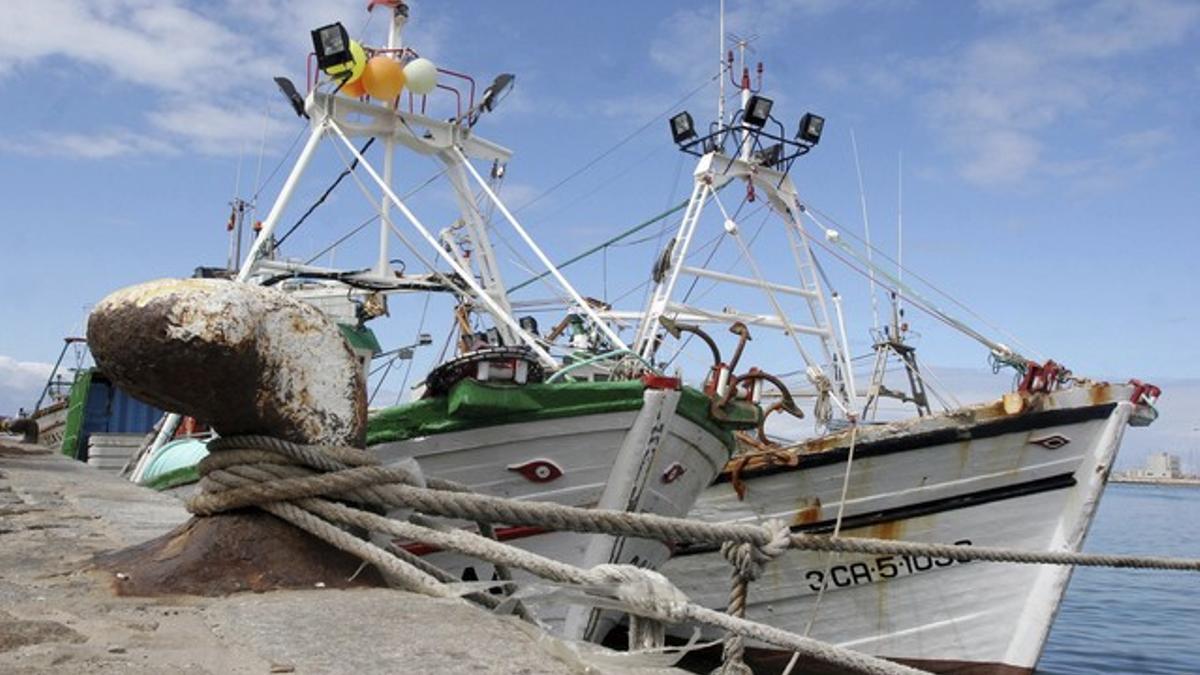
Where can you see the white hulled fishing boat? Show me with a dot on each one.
(1025, 471)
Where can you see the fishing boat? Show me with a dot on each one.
(516, 413)
(1025, 471)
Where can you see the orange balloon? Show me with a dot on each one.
(354, 89)
(383, 78)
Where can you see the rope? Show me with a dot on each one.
(401, 493)
(297, 483)
(279, 475)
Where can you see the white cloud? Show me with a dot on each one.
(98, 145)
(198, 64)
(157, 43)
(20, 383)
(220, 129)
(997, 97)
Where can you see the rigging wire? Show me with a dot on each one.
(633, 230)
(913, 300)
(613, 148)
(325, 195)
(929, 284)
(279, 165)
(359, 228)
(409, 365)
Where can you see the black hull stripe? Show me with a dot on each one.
(928, 439)
(1057, 482)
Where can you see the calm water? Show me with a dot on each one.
(1132, 621)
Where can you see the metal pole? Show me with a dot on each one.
(67, 342)
(465, 274)
(397, 26)
(721, 69)
(837, 308)
(285, 195)
(608, 332)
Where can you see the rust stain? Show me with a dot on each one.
(808, 511)
(1100, 393)
(893, 530)
(964, 457)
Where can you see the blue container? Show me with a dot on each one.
(109, 409)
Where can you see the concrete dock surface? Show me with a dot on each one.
(58, 616)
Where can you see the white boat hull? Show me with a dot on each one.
(650, 460)
(1010, 482)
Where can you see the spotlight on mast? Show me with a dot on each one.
(683, 128)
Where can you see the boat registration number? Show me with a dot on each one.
(877, 569)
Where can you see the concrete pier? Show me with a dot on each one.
(58, 616)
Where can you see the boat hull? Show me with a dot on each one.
(653, 460)
(1029, 481)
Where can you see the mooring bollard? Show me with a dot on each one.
(246, 360)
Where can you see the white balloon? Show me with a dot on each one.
(420, 76)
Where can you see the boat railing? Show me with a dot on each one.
(313, 75)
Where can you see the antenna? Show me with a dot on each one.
(721, 68)
(900, 231)
(862, 199)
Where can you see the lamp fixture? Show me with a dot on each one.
(332, 46)
(497, 90)
(758, 110)
(289, 92)
(682, 127)
(811, 127)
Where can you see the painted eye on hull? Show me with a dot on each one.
(538, 470)
(673, 473)
(1053, 442)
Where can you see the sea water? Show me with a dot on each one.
(1133, 621)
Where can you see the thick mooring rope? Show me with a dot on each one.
(393, 487)
(296, 483)
(279, 478)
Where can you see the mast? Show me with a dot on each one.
(721, 67)
(762, 161)
(395, 29)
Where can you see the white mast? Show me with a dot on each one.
(899, 230)
(721, 68)
(395, 29)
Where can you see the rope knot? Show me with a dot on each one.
(644, 592)
(748, 559)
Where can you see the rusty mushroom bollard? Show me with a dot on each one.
(246, 360)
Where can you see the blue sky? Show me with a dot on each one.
(1050, 152)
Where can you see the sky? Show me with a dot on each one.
(1048, 153)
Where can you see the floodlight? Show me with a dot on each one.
(289, 92)
(810, 128)
(332, 45)
(682, 127)
(424, 340)
(497, 90)
(528, 324)
(758, 110)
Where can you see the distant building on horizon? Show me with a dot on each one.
(1159, 465)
